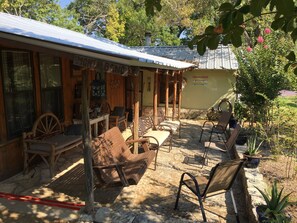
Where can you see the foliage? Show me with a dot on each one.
(48, 11)
(275, 204)
(261, 75)
(284, 127)
(252, 147)
(92, 15)
(234, 19)
(114, 26)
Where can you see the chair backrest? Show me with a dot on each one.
(110, 147)
(222, 176)
(224, 118)
(144, 124)
(118, 111)
(232, 139)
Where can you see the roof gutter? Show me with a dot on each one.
(88, 53)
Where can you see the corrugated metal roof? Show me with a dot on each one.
(221, 58)
(42, 34)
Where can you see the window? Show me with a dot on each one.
(162, 87)
(18, 91)
(51, 85)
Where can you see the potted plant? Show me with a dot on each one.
(252, 155)
(274, 208)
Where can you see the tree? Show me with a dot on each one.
(261, 73)
(92, 15)
(114, 26)
(42, 10)
(235, 17)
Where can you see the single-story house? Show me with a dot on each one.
(204, 86)
(41, 70)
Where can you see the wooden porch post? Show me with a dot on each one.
(89, 184)
(166, 94)
(174, 95)
(155, 100)
(180, 94)
(136, 111)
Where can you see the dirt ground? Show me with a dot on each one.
(275, 167)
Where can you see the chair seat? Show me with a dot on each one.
(173, 125)
(161, 136)
(59, 141)
(202, 183)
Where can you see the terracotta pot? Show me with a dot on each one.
(252, 161)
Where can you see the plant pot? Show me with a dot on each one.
(252, 161)
(241, 140)
(261, 213)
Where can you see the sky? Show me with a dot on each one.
(64, 3)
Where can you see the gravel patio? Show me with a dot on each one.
(152, 200)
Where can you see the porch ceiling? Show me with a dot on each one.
(53, 37)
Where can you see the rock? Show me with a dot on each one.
(8, 187)
(102, 215)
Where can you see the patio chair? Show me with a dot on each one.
(113, 162)
(222, 146)
(117, 116)
(219, 128)
(221, 179)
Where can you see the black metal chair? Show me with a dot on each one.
(219, 128)
(221, 179)
(222, 146)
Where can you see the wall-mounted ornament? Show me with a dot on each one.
(98, 87)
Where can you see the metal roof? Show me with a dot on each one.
(221, 58)
(50, 36)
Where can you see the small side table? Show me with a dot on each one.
(94, 123)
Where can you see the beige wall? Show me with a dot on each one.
(204, 89)
(148, 88)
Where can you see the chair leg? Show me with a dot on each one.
(202, 208)
(234, 206)
(178, 193)
(210, 136)
(156, 159)
(201, 135)
(204, 156)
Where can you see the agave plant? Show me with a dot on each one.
(275, 204)
(252, 147)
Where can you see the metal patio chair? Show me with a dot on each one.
(219, 128)
(222, 146)
(221, 179)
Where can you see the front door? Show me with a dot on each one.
(115, 90)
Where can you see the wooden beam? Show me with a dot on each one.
(166, 95)
(136, 111)
(89, 183)
(180, 95)
(155, 99)
(174, 96)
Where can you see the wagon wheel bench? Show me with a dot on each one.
(48, 140)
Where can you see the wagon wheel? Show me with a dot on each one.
(47, 124)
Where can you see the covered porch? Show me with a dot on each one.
(152, 200)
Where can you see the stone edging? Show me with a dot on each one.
(252, 178)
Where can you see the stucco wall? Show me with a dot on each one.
(204, 89)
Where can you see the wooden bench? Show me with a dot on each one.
(48, 140)
(113, 162)
(174, 125)
(157, 135)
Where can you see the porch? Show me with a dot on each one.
(152, 200)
